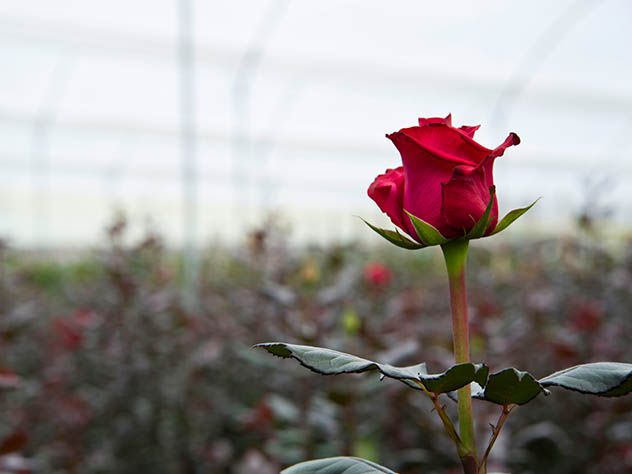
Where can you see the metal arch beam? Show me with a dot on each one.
(39, 162)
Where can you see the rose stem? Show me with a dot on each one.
(445, 419)
(455, 253)
(496, 431)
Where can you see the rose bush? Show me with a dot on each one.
(446, 178)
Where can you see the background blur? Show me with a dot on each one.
(180, 179)
(205, 115)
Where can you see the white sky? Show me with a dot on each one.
(90, 107)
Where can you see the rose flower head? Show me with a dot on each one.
(445, 188)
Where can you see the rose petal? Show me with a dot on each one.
(512, 139)
(424, 174)
(447, 143)
(429, 155)
(466, 195)
(387, 190)
(469, 130)
(444, 121)
(465, 198)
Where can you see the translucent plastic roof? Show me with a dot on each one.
(291, 101)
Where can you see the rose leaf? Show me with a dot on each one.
(329, 362)
(510, 387)
(338, 465)
(605, 379)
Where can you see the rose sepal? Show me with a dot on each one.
(427, 233)
(430, 236)
(511, 217)
(394, 237)
(481, 226)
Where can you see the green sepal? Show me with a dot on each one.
(338, 465)
(510, 387)
(329, 362)
(427, 233)
(481, 226)
(512, 216)
(394, 237)
(604, 379)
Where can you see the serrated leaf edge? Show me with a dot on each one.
(546, 383)
(481, 395)
(371, 464)
(481, 371)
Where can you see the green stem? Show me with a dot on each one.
(445, 419)
(455, 253)
(496, 431)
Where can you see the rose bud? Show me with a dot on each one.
(445, 188)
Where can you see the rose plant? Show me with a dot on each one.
(444, 195)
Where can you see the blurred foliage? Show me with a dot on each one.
(107, 368)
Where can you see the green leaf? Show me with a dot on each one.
(339, 465)
(428, 234)
(510, 387)
(329, 362)
(512, 216)
(481, 226)
(605, 379)
(453, 378)
(396, 238)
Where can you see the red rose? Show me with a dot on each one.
(587, 316)
(69, 333)
(445, 180)
(377, 274)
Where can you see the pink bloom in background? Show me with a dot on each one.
(586, 316)
(445, 179)
(68, 333)
(8, 379)
(377, 274)
(71, 329)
